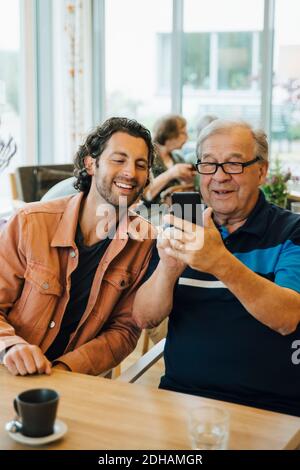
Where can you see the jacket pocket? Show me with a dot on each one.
(41, 291)
(119, 278)
(44, 281)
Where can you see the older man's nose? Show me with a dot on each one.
(220, 175)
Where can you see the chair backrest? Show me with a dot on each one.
(62, 189)
(144, 363)
(34, 181)
(13, 185)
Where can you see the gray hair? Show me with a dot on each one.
(220, 126)
(204, 121)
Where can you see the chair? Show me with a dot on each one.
(145, 343)
(33, 182)
(61, 189)
(143, 364)
(13, 186)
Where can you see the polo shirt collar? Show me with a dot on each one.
(257, 221)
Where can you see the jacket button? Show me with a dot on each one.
(45, 285)
(73, 254)
(52, 324)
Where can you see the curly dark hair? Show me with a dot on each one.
(96, 141)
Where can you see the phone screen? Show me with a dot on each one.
(188, 206)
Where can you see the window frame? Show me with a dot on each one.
(38, 87)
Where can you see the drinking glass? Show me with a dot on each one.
(209, 428)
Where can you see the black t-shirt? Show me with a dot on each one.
(81, 283)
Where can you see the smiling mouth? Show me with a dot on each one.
(126, 186)
(222, 192)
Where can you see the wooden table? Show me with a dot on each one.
(106, 414)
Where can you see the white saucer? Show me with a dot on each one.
(60, 428)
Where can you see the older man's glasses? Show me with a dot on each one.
(231, 168)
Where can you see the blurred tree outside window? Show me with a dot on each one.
(235, 60)
(196, 54)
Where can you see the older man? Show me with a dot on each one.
(235, 309)
(68, 275)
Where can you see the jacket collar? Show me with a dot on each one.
(66, 230)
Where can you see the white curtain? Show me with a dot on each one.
(77, 68)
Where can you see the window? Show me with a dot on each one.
(196, 63)
(222, 63)
(286, 85)
(9, 86)
(235, 60)
(138, 59)
(196, 70)
(164, 53)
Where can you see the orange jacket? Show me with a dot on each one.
(38, 255)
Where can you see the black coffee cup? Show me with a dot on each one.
(36, 409)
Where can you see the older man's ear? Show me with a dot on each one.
(263, 168)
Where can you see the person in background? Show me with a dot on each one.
(204, 121)
(231, 288)
(70, 267)
(169, 170)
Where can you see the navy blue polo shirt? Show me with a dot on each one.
(214, 347)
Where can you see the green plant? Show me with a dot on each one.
(275, 187)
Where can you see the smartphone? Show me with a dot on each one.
(188, 206)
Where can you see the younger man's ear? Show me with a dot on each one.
(89, 163)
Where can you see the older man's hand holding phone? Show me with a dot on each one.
(192, 237)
